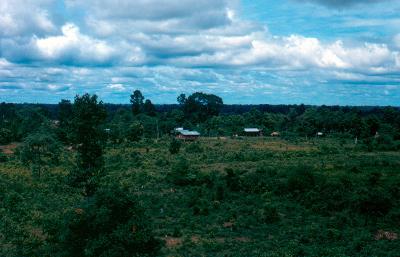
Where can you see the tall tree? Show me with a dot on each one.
(149, 108)
(137, 102)
(88, 115)
(199, 106)
(181, 99)
(65, 119)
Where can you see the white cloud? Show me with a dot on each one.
(117, 87)
(19, 17)
(161, 44)
(72, 43)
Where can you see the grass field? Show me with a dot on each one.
(227, 197)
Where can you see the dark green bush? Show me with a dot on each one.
(174, 146)
(300, 180)
(111, 223)
(180, 173)
(269, 214)
(373, 202)
(5, 136)
(194, 147)
(3, 157)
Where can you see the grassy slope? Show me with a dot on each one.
(264, 210)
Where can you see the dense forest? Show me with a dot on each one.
(85, 178)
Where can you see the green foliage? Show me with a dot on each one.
(298, 195)
(181, 173)
(5, 136)
(269, 214)
(148, 108)
(3, 157)
(110, 223)
(137, 102)
(175, 146)
(199, 106)
(301, 180)
(65, 116)
(194, 147)
(38, 150)
(88, 115)
(135, 132)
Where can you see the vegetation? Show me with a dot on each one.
(112, 182)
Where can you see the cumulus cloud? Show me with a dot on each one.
(18, 17)
(72, 46)
(173, 45)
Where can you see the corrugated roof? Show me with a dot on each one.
(189, 133)
(254, 130)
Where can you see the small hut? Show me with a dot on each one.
(253, 132)
(186, 134)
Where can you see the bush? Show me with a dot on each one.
(269, 214)
(373, 202)
(111, 223)
(194, 147)
(175, 146)
(180, 173)
(135, 131)
(301, 179)
(3, 157)
(5, 136)
(232, 180)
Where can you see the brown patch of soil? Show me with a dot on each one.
(172, 242)
(243, 239)
(195, 239)
(8, 149)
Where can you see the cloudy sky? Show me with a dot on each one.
(247, 51)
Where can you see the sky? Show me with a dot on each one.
(332, 52)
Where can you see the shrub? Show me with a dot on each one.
(3, 157)
(5, 136)
(194, 147)
(111, 223)
(301, 179)
(162, 162)
(232, 180)
(373, 202)
(180, 173)
(135, 131)
(175, 146)
(269, 214)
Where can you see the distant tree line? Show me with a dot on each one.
(207, 114)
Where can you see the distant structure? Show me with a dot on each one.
(183, 134)
(275, 134)
(320, 134)
(253, 132)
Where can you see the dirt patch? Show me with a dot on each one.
(173, 242)
(195, 239)
(9, 149)
(281, 146)
(228, 224)
(381, 235)
(243, 239)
